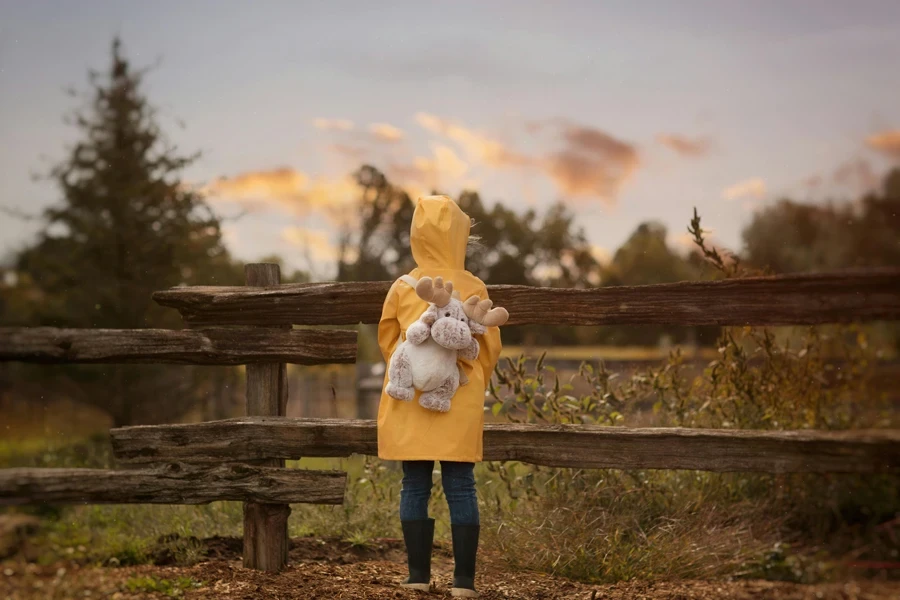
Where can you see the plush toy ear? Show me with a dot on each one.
(476, 327)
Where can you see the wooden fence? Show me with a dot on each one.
(243, 459)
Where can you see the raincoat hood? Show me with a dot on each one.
(439, 233)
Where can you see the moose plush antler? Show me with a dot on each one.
(435, 291)
(426, 361)
(482, 313)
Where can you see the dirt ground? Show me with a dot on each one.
(335, 570)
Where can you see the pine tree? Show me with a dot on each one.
(126, 227)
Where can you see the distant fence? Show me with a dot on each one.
(243, 459)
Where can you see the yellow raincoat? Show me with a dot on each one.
(406, 430)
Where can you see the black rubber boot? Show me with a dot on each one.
(419, 537)
(465, 547)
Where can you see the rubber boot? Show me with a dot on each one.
(465, 547)
(419, 537)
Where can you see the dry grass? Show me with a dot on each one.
(607, 353)
(600, 526)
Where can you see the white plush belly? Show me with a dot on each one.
(431, 364)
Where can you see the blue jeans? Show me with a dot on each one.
(458, 479)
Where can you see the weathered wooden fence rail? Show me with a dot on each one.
(211, 346)
(172, 483)
(777, 300)
(243, 459)
(581, 446)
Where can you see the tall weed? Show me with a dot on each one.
(608, 525)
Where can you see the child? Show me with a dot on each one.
(418, 436)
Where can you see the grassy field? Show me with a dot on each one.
(594, 526)
(607, 526)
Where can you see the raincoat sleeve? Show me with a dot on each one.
(389, 324)
(489, 353)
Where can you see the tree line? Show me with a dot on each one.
(126, 225)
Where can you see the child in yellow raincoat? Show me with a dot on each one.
(411, 433)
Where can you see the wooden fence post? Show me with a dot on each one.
(265, 525)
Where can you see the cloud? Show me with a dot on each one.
(386, 133)
(356, 154)
(316, 242)
(439, 171)
(749, 188)
(316, 247)
(685, 146)
(446, 162)
(592, 163)
(478, 146)
(333, 124)
(286, 188)
(281, 182)
(886, 142)
(813, 182)
(857, 174)
(587, 163)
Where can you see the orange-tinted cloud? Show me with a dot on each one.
(443, 169)
(589, 162)
(282, 182)
(749, 188)
(386, 133)
(333, 124)
(886, 142)
(286, 188)
(316, 242)
(685, 146)
(592, 163)
(477, 145)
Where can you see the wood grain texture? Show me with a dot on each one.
(265, 525)
(778, 300)
(582, 446)
(266, 384)
(266, 542)
(172, 483)
(262, 274)
(210, 346)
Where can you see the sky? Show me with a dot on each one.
(626, 111)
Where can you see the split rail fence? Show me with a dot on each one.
(243, 459)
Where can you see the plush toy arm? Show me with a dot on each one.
(418, 332)
(471, 352)
(429, 316)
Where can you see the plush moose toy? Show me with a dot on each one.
(426, 361)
